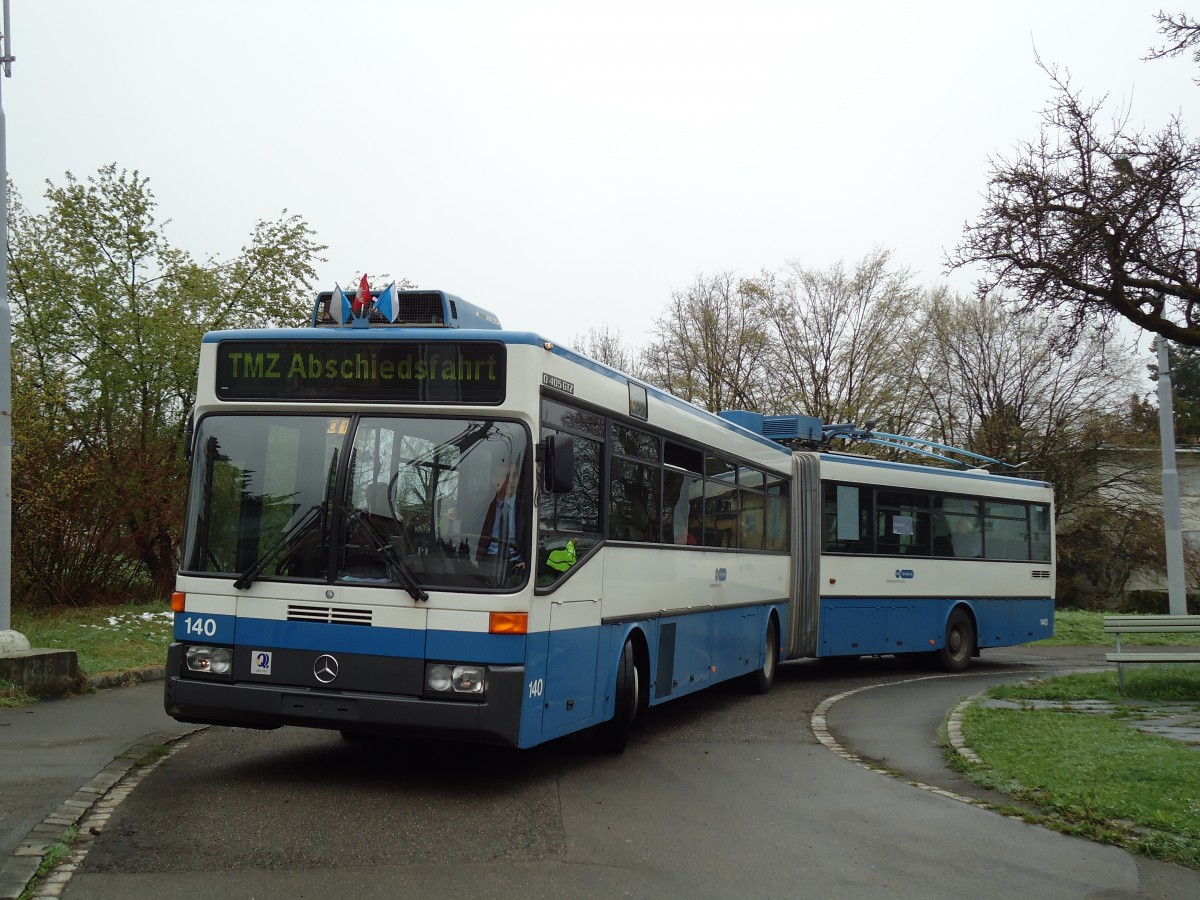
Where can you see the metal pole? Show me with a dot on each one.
(1172, 518)
(9, 639)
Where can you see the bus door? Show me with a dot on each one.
(568, 581)
(572, 654)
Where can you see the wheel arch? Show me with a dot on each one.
(969, 611)
(634, 634)
(773, 619)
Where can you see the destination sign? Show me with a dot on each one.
(362, 371)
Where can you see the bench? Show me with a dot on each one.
(1118, 625)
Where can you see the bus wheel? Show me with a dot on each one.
(760, 681)
(960, 642)
(613, 735)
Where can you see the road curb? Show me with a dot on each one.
(126, 677)
(89, 808)
(954, 730)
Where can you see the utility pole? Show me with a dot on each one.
(1172, 518)
(10, 641)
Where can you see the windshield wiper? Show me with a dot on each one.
(247, 578)
(397, 568)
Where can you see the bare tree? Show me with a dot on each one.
(1182, 33)
(710, 345)
(1000, 383)
(1003, 384)
(843, 346)
(1096, 221)
(607, 345)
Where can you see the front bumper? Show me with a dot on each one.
(246, 704)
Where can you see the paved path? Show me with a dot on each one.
(59, 756)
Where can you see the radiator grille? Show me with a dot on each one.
(421, 309)
(1040, 573)
(331, 615)
(418, 308)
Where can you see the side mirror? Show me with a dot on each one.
(189, 435)
(558, 464)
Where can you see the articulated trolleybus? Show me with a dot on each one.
(406, 520)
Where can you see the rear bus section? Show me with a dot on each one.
(922, 560)
(895, 558)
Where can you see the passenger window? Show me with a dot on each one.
(681, 492)
(1005, 530)
(1039, 532)
(569, 524)
(958, 527)
(634, 507)
(847, 519)
(903, 523)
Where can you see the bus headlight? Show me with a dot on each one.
(468, 679)
(446, 678)
(437, 678)
(209, 660)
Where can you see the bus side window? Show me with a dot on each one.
(846, 519)
(961, 519)
(569, 523)
(635, 509)
(679, 526)
(1039, 516)
(683, 489)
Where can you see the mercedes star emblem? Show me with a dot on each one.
(325, 668)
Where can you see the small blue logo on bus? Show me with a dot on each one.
(719, 575)
(904, 573)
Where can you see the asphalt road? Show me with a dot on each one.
(719, 795)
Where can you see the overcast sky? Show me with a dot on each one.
(566, 165)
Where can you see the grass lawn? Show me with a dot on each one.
(1085, 628)
(1094, 774)
(106, 639)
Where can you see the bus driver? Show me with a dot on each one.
(498, 539)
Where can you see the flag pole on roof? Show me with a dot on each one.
(362, 300)
(339, 305)
(388, 303)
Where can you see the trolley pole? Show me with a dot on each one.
(1172, 518)
(10, 641)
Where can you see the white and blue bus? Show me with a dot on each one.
(406, 520)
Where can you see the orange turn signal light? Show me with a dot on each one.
(508, 623)
(178, 601)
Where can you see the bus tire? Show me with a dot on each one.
(761, 680)
(613, 735)
(959, 647)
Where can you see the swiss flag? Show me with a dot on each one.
(363, 298)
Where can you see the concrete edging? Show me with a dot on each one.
(127, 676)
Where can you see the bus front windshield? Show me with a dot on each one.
(412, 503)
